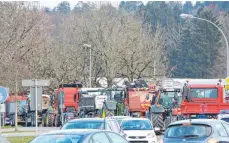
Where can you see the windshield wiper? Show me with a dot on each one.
(191, 136)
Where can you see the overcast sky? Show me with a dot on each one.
(53, 3)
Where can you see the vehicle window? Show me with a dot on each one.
(83, 125)
(57, 139)
(226, 126)
(221, 130)
(136, 125)
(100, 138)
(225, 119)
(186, 131)
(116, 138)
(114, 126)
(204, 93)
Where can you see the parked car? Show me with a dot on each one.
(80, 136)
(224, 115)
(93, 123)
(138, 130)
(197, 130)
(119, 118)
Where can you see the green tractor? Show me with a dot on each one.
(114, 105)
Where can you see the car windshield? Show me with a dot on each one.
(84, 125)
(225, 119)
(136, 125)
(58, 139)
(182, 131)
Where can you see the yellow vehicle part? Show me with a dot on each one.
(103, 113)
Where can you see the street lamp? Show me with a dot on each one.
(89, 46)
(188, 16)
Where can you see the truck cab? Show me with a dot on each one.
(203, 100)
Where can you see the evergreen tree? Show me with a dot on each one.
(63, 7)
(131, 6)
(199, 45)
(188, 7)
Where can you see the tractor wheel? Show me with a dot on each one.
(157, 121)
(50, 119)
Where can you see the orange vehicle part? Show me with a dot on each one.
(71, 97)
(204, 105)
(137, 101)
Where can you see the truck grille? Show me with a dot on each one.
(137, 137)
(138, 141)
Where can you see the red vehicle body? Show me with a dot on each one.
(203, 100)
(138, 101)
(70, 99)
(65, 101)
(12, 98)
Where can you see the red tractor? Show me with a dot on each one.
(64, 105)
(203, 100)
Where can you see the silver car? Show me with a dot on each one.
(197, 131)
(79, 136)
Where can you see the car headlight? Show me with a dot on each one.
(150, 135)
(212, 141)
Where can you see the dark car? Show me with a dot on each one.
(197, 131)
(93, 123)
(80, 136)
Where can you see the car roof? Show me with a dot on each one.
(87, 119)
(91, 119)
(196, 121)
(127, 119)
(72, 131)
(118, 117)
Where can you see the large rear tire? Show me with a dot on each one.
(51, 119)
(157, 121)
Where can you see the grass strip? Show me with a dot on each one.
(20, 139)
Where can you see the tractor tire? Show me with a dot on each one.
(51, 119)
(157, 121)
